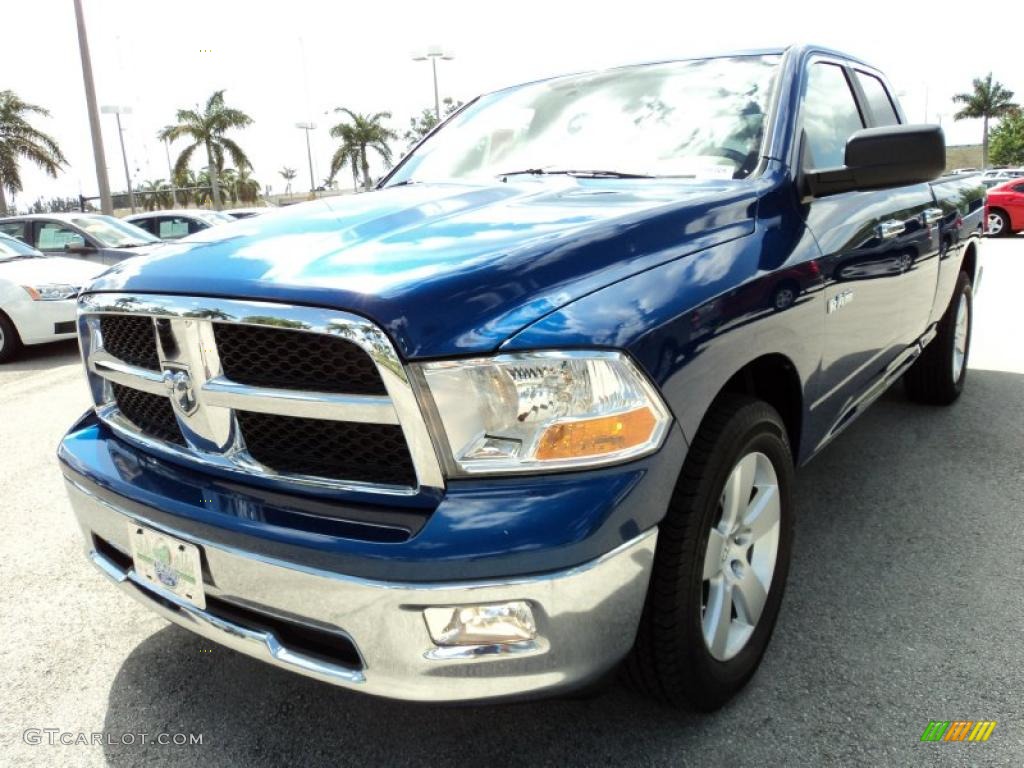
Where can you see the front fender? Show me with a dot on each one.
(691, 324)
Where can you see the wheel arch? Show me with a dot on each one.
(773, 378)
(970, 262)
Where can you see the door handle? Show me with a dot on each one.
(890, 229)
(931, 215)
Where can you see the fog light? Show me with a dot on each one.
(481, 624)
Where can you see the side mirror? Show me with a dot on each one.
(878, 158)
(83, 248)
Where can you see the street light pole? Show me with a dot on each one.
(434, 53)
(94, 117)
(117, 112)
(307, 127)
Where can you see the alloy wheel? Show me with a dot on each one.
(995, 224)
(740, 559)
(960, 333)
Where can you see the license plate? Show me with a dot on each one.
(168, 563)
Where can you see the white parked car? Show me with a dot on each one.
(37, 295)
(171, 225)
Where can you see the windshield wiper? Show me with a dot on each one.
(578, 173)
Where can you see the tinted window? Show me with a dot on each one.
(878, 99)
(1018, 187)
(51, 236)
(14, 229)
(830, 116)
(146, 224)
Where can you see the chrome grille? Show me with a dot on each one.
(131, 339)
(151, 414)
(370, 453)
(289, 359)
(308, 396)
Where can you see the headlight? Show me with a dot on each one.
(51, 292)
(545, 410)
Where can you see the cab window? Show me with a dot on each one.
(879, 102)
(830, 116)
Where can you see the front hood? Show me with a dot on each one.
(49, 269)
(449, 268)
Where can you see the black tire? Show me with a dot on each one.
(670, 660)
(10, 342)
(1004, 231)
(930, 379)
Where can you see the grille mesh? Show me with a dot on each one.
(130, 339)
(153, 414)
(288, 359)
(369, 453)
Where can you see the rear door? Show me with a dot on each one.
(869, 241)
(921, 232)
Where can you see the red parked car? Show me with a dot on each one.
(1006, 208)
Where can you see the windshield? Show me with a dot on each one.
(214, 217)
(114, 233)
(697, 119)
(12, 248)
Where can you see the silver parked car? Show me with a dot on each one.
(171, 225)
(997, 176)
(89, 236)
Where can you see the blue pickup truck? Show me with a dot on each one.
(529, 411)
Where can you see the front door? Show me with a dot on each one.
(56, 238)
(869, 242)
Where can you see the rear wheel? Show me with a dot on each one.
(937, 377)
(998, 223)
(721, 563)
(10, 342)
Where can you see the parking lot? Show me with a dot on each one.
(905, 604)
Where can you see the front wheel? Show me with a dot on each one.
(937, 377)
(10, 343)
(721, 562)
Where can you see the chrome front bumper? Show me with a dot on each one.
(586, 616)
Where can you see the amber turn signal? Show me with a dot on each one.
(593, 437)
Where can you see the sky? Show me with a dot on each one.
(286, 62)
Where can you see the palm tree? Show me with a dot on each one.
(184, 180)
(206, 128)
(149, 192)
(346, 154)
(288, 174)
(247, 189)
(18, 139)
(228, 184)
(363, 133)
(988, 100)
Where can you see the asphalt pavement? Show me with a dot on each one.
(905, 604)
